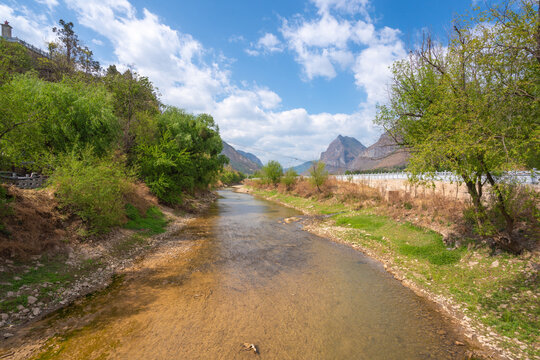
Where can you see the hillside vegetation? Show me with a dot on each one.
(96, 133)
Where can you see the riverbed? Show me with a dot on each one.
(242, 275)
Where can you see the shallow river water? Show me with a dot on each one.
(245, 277)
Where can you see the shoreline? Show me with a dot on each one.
(479, 337)
(93, 267)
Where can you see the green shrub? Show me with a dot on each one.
(92, 188)
(272, 172)
(229, 176)
(289, 178)
(318, 174)
(184, 156)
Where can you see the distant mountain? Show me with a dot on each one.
(238, 161)
(341, 153)
(385, 153)
(302, 168)
(251, 157)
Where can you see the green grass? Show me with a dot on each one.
(406, 239)
(53, 271)
(503, 296)
(151, 223)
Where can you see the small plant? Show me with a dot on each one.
(319, 174)
(289, 178)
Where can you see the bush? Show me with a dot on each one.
(185, 155)
(272, 172)
(289, 178)
(318, 173)
(229, 176)
(92, 188)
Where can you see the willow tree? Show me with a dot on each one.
(472, 107)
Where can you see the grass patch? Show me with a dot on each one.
(367, 222)
(406, 239)
(53, 271)
(151, 223)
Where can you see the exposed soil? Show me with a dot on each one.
(45, 242)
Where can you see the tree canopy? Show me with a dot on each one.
(472, 107)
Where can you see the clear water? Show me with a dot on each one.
(243, 277)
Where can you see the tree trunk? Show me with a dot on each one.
(501, 204)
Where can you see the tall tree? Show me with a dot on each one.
(472, 107)
(136, 104)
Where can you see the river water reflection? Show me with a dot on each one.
(244, 277)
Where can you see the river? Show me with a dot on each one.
(245, 276)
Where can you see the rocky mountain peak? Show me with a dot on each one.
(341, 152)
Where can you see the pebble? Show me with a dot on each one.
(4, 316)
(16, 278)
(36, 311)
(10, 294)
(32, 300)
(8, 335)
(495, 264)
(20, 307)
(473, 263)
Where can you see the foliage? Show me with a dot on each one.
(14, 59)
(93, 188)
(229, 176)
(42, 119)
(68, 54)
(318, 174)
(135, 104)
(185, 156)
(289, 178)
(271, 173)
(474, 107)
(152, 222)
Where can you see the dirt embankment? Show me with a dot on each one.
(48, 260)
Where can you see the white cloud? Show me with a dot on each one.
(51, 4)
(97, 42)
(328, 41)
(348, 6)
(268, 43)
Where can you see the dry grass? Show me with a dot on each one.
(37, 225)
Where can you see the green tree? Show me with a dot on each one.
(185, 156)
(318, 174)
(42, 119)
(272, 172)
(136, 104)
(14, 59)
(289, 178)
(473, 107)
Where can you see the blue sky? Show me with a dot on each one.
(282, 78)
